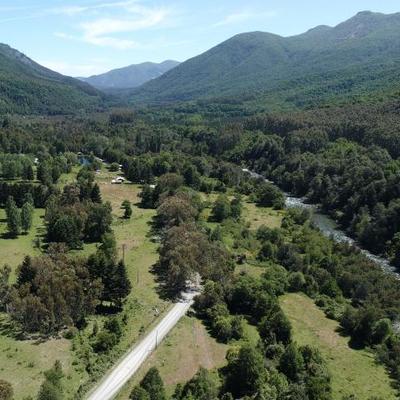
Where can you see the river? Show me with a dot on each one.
(328, 227)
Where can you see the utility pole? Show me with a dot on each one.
(156, 338)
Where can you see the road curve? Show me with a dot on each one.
(130, 363)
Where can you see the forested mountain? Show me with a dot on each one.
(28, 88)
(131, 76)
(324, 64)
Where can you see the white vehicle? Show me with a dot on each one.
(118, 180)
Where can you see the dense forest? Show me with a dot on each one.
(344, 159)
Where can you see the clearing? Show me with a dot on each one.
(353, 371)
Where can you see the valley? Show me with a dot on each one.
(222, 228)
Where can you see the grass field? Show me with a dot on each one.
(188, 347)
(353, 371)
(13, 251)
(22, 362)
(258, 216)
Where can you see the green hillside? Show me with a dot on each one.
(323, 64)
(131, 76)
(28, 88)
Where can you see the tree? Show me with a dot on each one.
(98, 221)
(381, 330)
(175, 210)
(203, 386)
(65, 229)
(291, 362)
(221, 209)
(13, 218)
(268, 195)
(51, 388)
(4, 286)
(6, 390)
(44, 173)
(26, 272)
(275, 328)
(95, 194)
(245, 371)
(105, 341)
(154, 385)
(138, 393)
(147, 197)
(26, 216)
(236, 207)
(52, 292)
(120, 285)
(27, 173)
(127, 207)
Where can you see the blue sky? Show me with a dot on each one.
(85, 37)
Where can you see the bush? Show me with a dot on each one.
(6, 390)
(105, 341)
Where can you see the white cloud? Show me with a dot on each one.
(244, 16)
(106, 31)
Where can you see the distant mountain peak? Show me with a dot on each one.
(131, 76)
(259, 62)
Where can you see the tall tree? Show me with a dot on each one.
(26, 216)
(13, 218)
(96, 194)
(120, 285)
(154, 385)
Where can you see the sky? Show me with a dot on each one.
(87, 37)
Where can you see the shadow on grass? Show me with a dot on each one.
(354, 343)
(8, 236)
(107, 309)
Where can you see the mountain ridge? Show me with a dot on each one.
(131, 76)
(26, 87)
(255, 62)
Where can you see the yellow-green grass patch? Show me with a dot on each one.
(188, 347)
(353, 371)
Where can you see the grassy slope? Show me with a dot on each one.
(353, 371)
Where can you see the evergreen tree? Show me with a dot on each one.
(127, 207)
(28, 198)
(44, 173)
(26, 216)
(96, 194)
(121, 285)
(27, 173)
(26, 272)
(13, 218)
(154, 385)
(147, 197)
